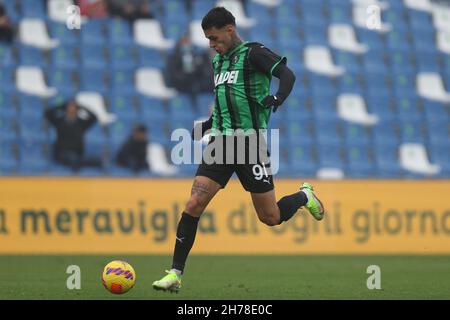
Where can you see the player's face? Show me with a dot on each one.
(220, 39)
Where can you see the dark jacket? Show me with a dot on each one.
(70, 136)
(133, 154)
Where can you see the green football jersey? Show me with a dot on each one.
(242, 80)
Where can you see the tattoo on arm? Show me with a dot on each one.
(200, 189)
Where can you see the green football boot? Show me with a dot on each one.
(171, 282)
(314, 205)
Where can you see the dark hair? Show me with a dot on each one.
(218, 18)
(140, 128)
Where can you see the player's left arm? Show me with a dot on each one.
(266, 61)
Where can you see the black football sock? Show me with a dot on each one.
(290, 204)
(187, 228)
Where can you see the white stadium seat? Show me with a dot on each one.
(197, 35)
(157, 160)
(414, 158)
(351, 107)
(330, 174)
(33, 32)
(430, 86)
(383, 5)
(421, 5)
(150, 82)
(30, 80)
(148, 33)
(361, 16)
(94, 102)
(342, 36)
(443, 41)
(57, 9)
(318, 59)
(236, 8)
(268, 3)
(441, 18)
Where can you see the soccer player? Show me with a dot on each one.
(242, 73)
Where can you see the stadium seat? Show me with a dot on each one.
(31, 56)
(352, 107)
(157, 161)
(342, 36)
(124, 105)
(347, 60)
(443, 41)
(30, 80)
(387, 161)
(430, 86)
(411, 131)
(414, 158)
(93, 55)
(327, 132)
(94, 79)
(148, 33)
(318, 59)
(196, 34)
(65, 36)
(6, 56)
(360, 20)
(440, 16)
(237, 9)
(65, 56)
(330, 156)
(33, 9)
(119, 32)
(422, 5)
(302, 161)
(93, 32)
(148, 57)
(57, 9)
(158, 89)
(122, 57)
(385, 134)
(96, 104)
(359, 163)
(356, 135)
(33, 32)
(268, 3)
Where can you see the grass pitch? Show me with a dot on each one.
(234, 277)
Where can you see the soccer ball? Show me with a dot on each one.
(118, 277)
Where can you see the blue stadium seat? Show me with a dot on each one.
(427, 61)
(119, 32)
(33, 159)
(12, 10)
(31, 56)
(93, 56)
(324, 107)
(440, 154)
(302, 161)
(327, 132)
(374, 39)
(93, 32)
(404, 82)
(200, 8)
(435, 112)
(340, 12)
(65, 56)
(8, 132)
(356, 135)
(124, 106)
(148, 57)
(7, 104)
(386, 133)
(58, 30)
(407, 108)
(395, 41)
(330, 156)
(373, 62)
(439, 132)
(119, 131)
(412, 131)
(359, 163)
(295, 108)
(94, 79)
(122, 81)
(419, 20)
(386, 161)
(315, 35)
(31, 106)
(347, 60)
(299, 133)
(6, 56)
(180, 107)
(33, 8)
(63, 79)
(395, 18)
(350, 82)
(122, 57)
